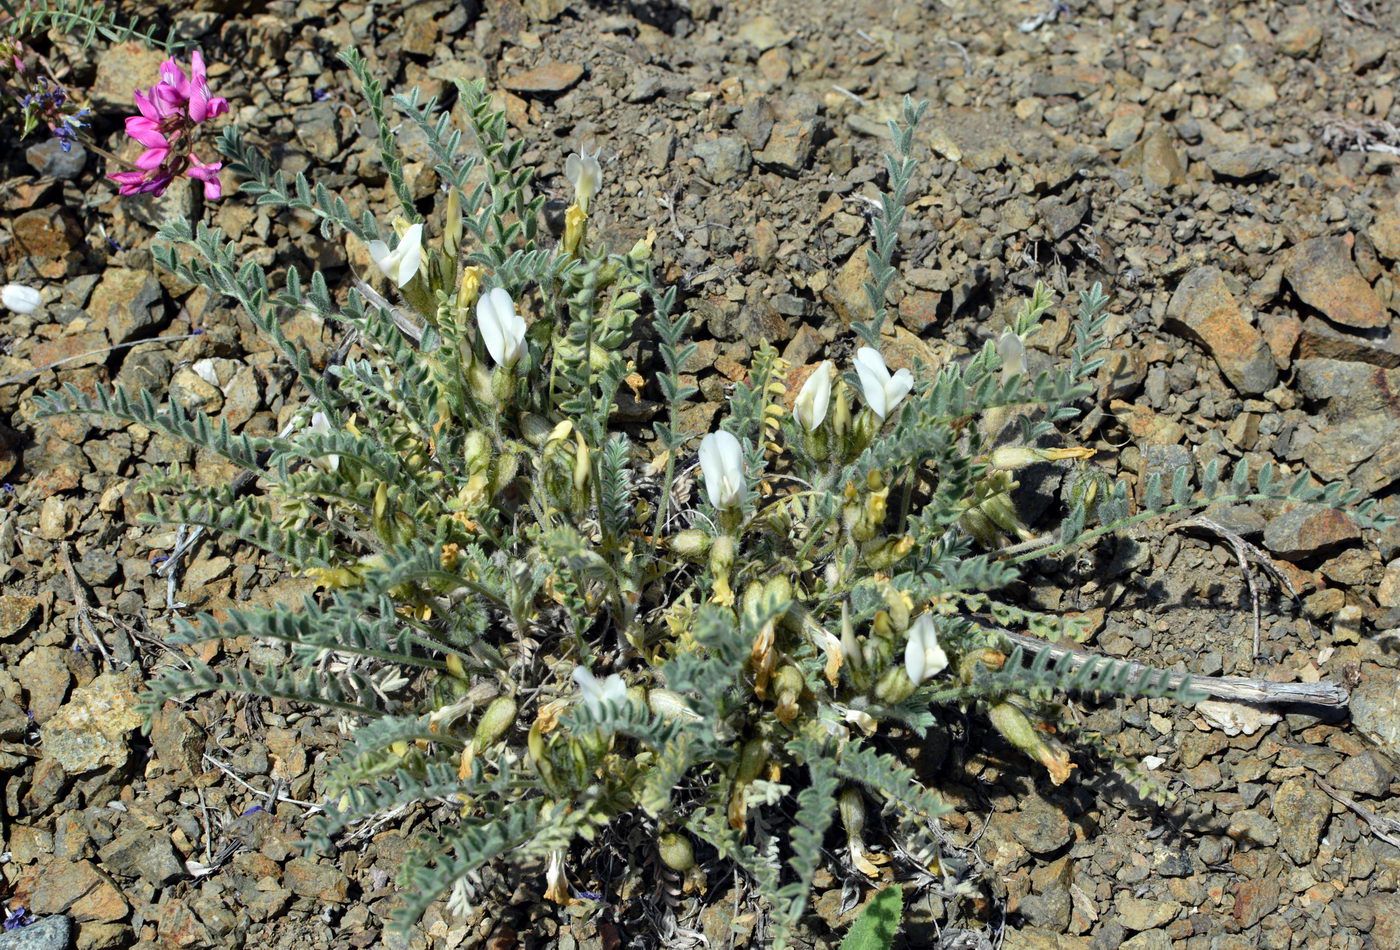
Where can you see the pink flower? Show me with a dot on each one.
(192, 93)
(170, 111)
(209, 174)
(142, 183)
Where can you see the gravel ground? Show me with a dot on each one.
(1228, 172)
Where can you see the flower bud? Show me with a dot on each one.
(676, 852)
(1012, 351)
(788, 687)
(494, 724)
(883, 390)
(586, 175)
(401, 264)
(502, 329)
(850, 646)
(20, 299)
(852, 808)
(814, 397)
(452, 226)
(923, 655)
(841, 417)
(582, 471)
(1016, 726)
(670, 705)
(722, 463)
(692, 542)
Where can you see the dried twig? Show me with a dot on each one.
(1387, 829)
(1244, 553)
(273, 796)
(83, 622)
(1360, 14)
(30, 374)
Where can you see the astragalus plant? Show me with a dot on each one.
(546, 624)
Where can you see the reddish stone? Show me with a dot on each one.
(549, 78)
(1322, 273)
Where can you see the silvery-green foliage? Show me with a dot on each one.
(85, 21)
(495, 533)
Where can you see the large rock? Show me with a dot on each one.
(1306, 530)
(1301, 810)
(51, 933)
(1375, 711)
(127, 302)
(90, 731)
(1323, 275)
(1205, 310)
(121, 70)
(1321, 340)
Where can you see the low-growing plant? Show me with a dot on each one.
(529, 611)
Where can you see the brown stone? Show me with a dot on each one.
(1204, 309)
(1385, 234)
(548, 79)
(1156, 160)
(847, 292)
(126, 302)
(1323, 275)
(51, 239)
(75, 888)
(1303, 530)
(72, 351)
(919, 310)
(306, 878)
(1254, 900)
(1281, 333)
(123, 68)
(17, 612)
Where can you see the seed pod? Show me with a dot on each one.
(895, 686)
(751, 761)
(669, 705)
(788, 687)
(852, 807)
(692, 542)
(535, 428)
(753, 597)
(676, 852)
(494, 724)
(722, 555)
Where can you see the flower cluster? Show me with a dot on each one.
(41, 99)
(170, 112)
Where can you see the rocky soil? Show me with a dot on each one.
(1228, 172)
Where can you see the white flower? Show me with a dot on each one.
(1013, 355)
(402, 262)
(502, 329)
(583, 170)
(882, 391)
(923, 657)
(556, 883)
(321, 423)
(814, 396)
(596, 692)
(722, 461)
(20, 299)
